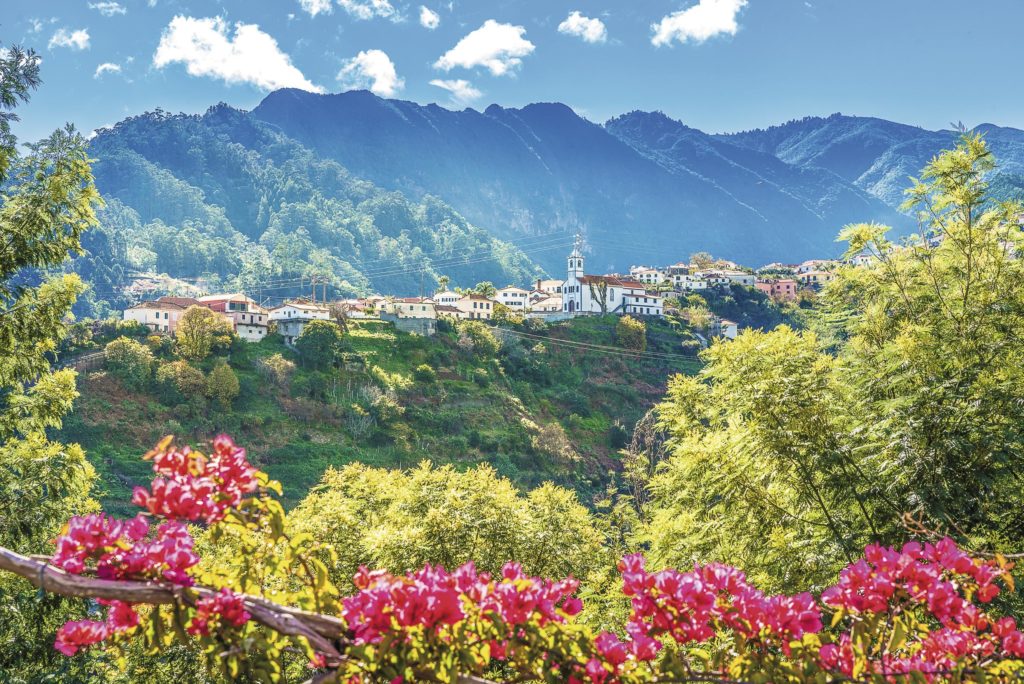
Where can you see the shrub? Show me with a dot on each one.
(277, 369)
(476, 338)
(319, 344)
(178, 381)
(199, 331)
(481, 378)
(425, 374)
(222, 385)
(631, 333)
(130, 361)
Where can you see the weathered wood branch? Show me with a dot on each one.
(319, 630)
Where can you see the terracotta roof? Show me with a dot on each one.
(612, 281)
(444, 308)
(302, 305)
(156, 305)
(223, 297)
(183, 302)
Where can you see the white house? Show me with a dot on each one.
(446, 298)
(411, 307)
(685, 282)
(475, 306)
(550, 286)
(814, 265)
(161, 315)
(299, 309)
(605, 294)
(863, 258)
(740, 277)
(516, 298)
(648, 276)
(546, 303)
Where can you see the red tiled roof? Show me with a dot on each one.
(612, 281)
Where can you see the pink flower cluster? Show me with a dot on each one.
(433, 597)
(77, 635)
(120, 549)
(190, 486)
(696, 606)
(934, 579)
(226, 606)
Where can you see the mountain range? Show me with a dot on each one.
(385, 194)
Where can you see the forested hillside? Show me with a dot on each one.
(223, 198)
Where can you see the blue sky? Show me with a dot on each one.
(718, 65)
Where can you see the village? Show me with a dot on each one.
(641, 293)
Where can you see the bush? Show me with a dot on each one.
(425, 374)
(481, 378)
(319, 344)
(200, 330)
(222, 385)
(179, 381)
(277, 369)
(631, 333)
(130, 361)
(476, 338)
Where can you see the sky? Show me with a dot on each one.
(717, 65)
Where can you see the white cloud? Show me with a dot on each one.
(498, 47)
(206, 48)
(37, 26)
(108, 9)
(368, 9)
(462, 91)
(315, 7)
(429, 18)
(76, 40)
(372, 69)
(590, 30)
(107, 68)
(706, 19)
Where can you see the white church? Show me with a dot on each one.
(594, 294)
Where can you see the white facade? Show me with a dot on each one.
(301, 310)
(550, 286)
(447, 298)
(157, 316)
(412, 307)
(648, 276)
(684, 282)
(516, 298)
(475, 306)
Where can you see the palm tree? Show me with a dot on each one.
(486, 289)
(442, 283)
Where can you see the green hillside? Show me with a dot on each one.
(538, 407)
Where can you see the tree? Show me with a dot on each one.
(792, 450)
(222, 385)
(47, 201)
(130, 361)
(319, 344)
(599, 294)
(181, 380)
(475, 337)
(439, 515)
(486, 289)
(198, 330)
(276, 369)
(442, 283)
(702, 260)
(631, 333)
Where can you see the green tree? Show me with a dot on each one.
(702, 260)
(180, 381)
(130, 361)
(486, 289)
(198, 330)
(222, 385)
(792, 450)
(47, 200)
(442, 283)
(319, 344)
(631, 333)
(474, 336)
(402, 520)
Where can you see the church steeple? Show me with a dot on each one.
(576, 259)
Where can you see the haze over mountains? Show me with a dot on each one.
(384, 194)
